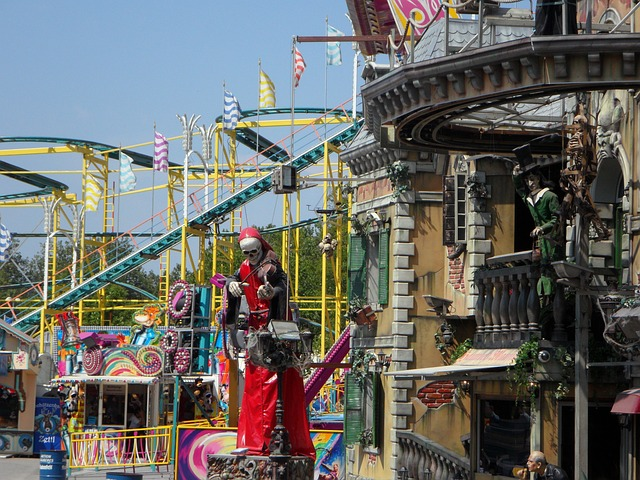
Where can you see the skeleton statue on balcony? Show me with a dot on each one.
(580, 170)
(270, 384)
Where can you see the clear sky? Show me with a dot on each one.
(107, 71)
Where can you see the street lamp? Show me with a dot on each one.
(465, 386)
(277, 348)
(403, 473)
(383, 362)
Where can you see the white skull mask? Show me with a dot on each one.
(252, 249)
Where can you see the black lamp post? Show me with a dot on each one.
(280, 347)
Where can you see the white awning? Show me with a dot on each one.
(81, 378)
(474, 363)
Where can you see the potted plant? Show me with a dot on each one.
(360, 312)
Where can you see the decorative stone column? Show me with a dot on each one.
(402, 328)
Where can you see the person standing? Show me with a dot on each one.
(264, 284)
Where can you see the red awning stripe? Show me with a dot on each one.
(627, 401)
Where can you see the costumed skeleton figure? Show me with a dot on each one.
(580, 171)
(263, 282)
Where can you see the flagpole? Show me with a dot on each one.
(356, 50)
(286, 203)
(293, 95)
(153, 180)
(220, 141)
(326, 68)
(119, 187)
(258, 114)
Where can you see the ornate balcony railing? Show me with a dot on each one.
(508, 308)
(428, 460)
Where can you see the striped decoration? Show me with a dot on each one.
(127, 177)
(160, 153)
(93, 194)
(334, 55)
(231, 111)
(5, 242)
(299, 67)
(267, 92)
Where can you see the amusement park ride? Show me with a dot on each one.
(206, 193)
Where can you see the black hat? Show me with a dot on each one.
(525, 160)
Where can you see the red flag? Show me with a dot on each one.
(298, 68)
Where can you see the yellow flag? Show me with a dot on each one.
(93, 194)
(267, 91)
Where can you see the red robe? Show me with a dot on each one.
(257, 415)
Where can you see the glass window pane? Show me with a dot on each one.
(504, 435)
(92, 398)
(113, 403)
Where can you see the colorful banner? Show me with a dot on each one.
(197, 444)
(424, 10)
(47, 424)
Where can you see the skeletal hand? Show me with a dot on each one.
(266, 292)
(536, 232)
(235, 289)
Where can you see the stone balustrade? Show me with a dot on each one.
(428, 460)
(508, 308)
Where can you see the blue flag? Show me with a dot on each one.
(231, 111)
(127, 177)
(5, 242)
(334, 55)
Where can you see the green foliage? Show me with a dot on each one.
(460, 350)
(521, 372)
(565, 359)
(360, 360)
(398, 173)
(360, 227)
(16, 275)
(366, 437)
(356, 304)
(129, 287)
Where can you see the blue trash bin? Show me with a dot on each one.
(123, 476)
(53, 465)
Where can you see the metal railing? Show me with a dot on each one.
(121, 448)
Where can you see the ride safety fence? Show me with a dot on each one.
(121, 448)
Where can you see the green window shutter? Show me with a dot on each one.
(353, 414)
(357, 266)
(383, 267)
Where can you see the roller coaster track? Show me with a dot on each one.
(252, 139)
(247, 136)
(46, 185)
(29, 321)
